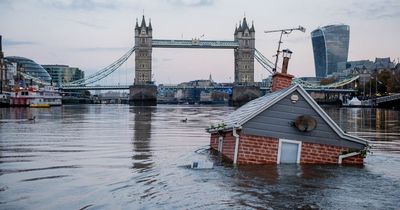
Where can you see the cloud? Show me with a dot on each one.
(298, 39)
(10, 42)
(98, 49)
(91, 25)
(80, 4)
(191, 3)
(7, 4)
(373, 10)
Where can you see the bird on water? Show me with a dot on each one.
(32, 118)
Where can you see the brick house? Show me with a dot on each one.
(285, 126)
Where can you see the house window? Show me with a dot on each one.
(289, 151)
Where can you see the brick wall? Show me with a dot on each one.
(228, 148)
(257, 150)
(312, 153)
(264, 150)
(214, 141)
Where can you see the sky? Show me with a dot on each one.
(92, 34)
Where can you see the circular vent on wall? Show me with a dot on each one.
(305, 123)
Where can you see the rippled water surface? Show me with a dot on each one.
(122, 157)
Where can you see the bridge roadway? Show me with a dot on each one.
(384, 99)
(172, 87)
(194, 43)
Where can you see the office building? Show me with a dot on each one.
(330, 46)
(63, 74)
(29, 67)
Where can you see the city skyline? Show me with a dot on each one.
(92, 34)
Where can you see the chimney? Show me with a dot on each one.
(282, 80)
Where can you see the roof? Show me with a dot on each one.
(239, 117)
(250, 110)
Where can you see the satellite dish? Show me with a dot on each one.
(305, 123)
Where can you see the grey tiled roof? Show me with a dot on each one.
(241, 114)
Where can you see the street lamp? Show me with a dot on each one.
(287, 54)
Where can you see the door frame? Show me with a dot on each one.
(278, 159)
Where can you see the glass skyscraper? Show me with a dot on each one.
(330, 46)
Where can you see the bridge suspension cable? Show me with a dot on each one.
(103, 72)
(263, 61)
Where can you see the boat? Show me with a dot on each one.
(39, 103)
(355, 102)
(25, 97)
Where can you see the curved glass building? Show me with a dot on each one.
(30, 67)
(330, 46)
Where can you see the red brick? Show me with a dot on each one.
(264, 150)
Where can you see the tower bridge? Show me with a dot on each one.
(144, 90)
(243, 45)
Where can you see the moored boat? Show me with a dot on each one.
(26, 97)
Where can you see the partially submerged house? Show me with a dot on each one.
(285, 126)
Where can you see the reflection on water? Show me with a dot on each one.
(380, 126)
(121, 157)
(141, 139)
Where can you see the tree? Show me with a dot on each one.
(328, 80)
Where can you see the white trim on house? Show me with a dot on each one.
(220, 143)
(278, 159)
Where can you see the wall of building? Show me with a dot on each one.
(264, 150)
(276, 122)
(257, 150)
(228, 147)
(325, 154)
(63, 74)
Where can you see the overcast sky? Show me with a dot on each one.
(91, 34)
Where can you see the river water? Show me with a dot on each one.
(125, 157)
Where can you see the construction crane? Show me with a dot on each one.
(283, 31)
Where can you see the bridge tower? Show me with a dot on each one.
(244, 54)
(143, 91)
(143, 51)
(244, 89)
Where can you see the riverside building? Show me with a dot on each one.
(63, 74)
(29, 67)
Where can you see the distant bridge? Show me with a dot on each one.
(96, 87)
(389, 98)
(219, 87)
